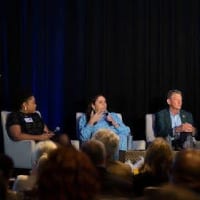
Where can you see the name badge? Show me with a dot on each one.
(28, 119)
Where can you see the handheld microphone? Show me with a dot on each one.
(106, 113)
(57, 129)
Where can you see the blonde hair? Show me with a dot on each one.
(109, 139)
(42, 148)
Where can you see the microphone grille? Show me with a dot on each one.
(57, 129)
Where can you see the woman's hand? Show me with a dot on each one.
(112, 121)
(46, 135)
(95, 117)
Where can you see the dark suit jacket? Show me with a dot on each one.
(163, 126)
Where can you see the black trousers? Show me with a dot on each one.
(178, 143)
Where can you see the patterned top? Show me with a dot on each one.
(30, 123)
(86, 131)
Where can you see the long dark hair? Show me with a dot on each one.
(89, 108)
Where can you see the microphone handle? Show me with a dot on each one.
(57, 129)
(106, 114)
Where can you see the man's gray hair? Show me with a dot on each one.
(109, 139)
(41, 148)
(171, 92)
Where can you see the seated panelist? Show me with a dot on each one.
(98, 117)
(174, 121)
(27, 124)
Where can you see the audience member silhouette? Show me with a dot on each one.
(185, 170)
(96, 151)
(67, 174)
(157, 163)
(111, 185)
(40, 154)
(6, 169)
(111, 142)
(170, 192)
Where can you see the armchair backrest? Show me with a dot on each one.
(4, 115)
(19, 151)
(149, 127)
(78, 115)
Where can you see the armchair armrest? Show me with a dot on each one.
(20, 152)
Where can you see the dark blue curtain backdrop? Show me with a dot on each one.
(133, 51)
(43, 50)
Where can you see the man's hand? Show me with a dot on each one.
(112, 121)
(185, 127)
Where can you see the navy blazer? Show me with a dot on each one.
(163, 125)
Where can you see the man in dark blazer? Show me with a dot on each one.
(174, 121)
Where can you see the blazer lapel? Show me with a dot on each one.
(168, 119)
(183, 117)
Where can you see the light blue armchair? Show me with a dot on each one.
(19, 151)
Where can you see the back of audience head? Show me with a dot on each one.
(6, 166)
(170, 192)
(67, 174)
(96, 151)
(110, 141)
(186, 169)
(158, 158)
(28, 184)
(42, 148)
(6, 169)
